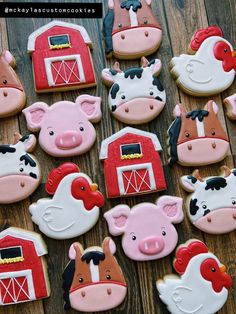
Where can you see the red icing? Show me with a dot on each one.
(184, 255)
(202, 34)
(57, 174)
(210, 271)
(82, 190)
(223, 52)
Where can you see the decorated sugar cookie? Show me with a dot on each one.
(202, 285)
(132, 164)
(230, 104)
(93, 280)
(19, 171)
(12, 94)
(74, 206)
(147, 229)
(131, 29)
(136, 95)
(61, 57)
(23, 271)
(211, 69)
(65, 128)
(197, 138)
(211, 205)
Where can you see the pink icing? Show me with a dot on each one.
(68, 140)
(11, 100)
(151, 245)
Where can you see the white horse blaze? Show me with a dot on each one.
(94, 270)
(200, 128)
(133, 17)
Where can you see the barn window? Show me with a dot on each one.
(59, 41)
(11, 255)
(131, 151)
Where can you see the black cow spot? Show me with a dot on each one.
(151, 62)
(114, 90)
(28, 160)
(157, 83)
(7, 149)
(113, 108)
(234, 172)
(158, 98)
(193, 179)
(132, 72)
(24, 138)
(113, 71)
(33, 175)
(207, 211)
(193, 207)
(215, 183)
(135, 4)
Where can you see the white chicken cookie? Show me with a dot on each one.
(210, 66)
(74, 207)
(202, 287)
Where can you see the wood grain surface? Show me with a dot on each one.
(179, 20)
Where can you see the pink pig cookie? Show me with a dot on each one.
(148, 231)
(65, 127)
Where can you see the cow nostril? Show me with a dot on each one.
(190, 147)
(213, 145)
(22, 184)
(127, 110)
(151, 107)
(234, 215)
(209, 219)
(146, 34)
(109, 291)
(83, 294)
(5, 94)
(122, 36)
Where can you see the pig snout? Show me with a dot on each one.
(68, 140)
(151, 245)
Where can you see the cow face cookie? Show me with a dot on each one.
(202, 285)
(211, 206)
(230, 105)
(19, 170)
(147, 229)
(131, 29)
(136, 95)
(93, 280)
(23, 271)
(211, 69)
(12, 94)
(197, 138)
(74, 206)
(65, 128)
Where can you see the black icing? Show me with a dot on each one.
(113, 108)
(207, 211)
(67, 277)
(234, 172)
(173, 133)
(107, 30)
(7, 149)
(114, 90)
(193, 207)
(192, 178)
(33, 175)
(158, 98)
(132, 72)
(215, 183)
(113, 71)
(135, 4)
(156, 82)
(28, 160)
(10, 252)
(200, 114)
(95, 256)
(130, 149)
(25, 137)
(151, 62)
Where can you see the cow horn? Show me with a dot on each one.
(116, 67)
(196, 175)
(16, 137)
(226, 170)
(144, 62)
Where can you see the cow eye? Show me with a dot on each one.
(233, 202)
(5, 82)
(151, 93)
(108, 277)
(51, 133)
(133, 237)
(187, 134)
(81, 279)
(21, 169)
(204, 206)
(213, 269)
(163, 233)
(81, 129)
(123, 97)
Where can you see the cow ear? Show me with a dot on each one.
(171, 207)
(76, 249)
(148, 2)
(211, 106)
(155, 67)
(111, 4)
(34, 115)
(90, 106)
(29, 142)
(188, 183)
(179, 111)
(108, 77)
(109, 245)
(117, 219)
(8, 57)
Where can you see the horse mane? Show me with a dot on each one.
(67, 277)
(107, 30)
(200, 114)
(173, 133)
(136, 4)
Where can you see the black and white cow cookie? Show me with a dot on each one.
(212, 205)
(19, 170)
(136, 95)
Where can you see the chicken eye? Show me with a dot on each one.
(133, 237)
(5, 82)
(82, 188)
(225, 50)
(163, 233)
(233, 202)
(213, 269)
(81, 129)
(108, 277)
(81, 279)
(187, 134)
(51, 133)
(21, 169)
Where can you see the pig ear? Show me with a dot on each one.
(155, 67)
(117, 219)
(108, 76)
(179, 111)
(90, 106)
(211, 105)
(109, 245)
(76, 249)
(172, 207)
(8, 57)
(34, 115)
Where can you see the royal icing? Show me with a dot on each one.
(132, 163)
(147, 229)
(202, 286)
(230, 104)
(23, 272)
(131, 29)
(74, 206)
(211, 205)
(65, 128)
(136, 95)
(19, 170)
(61, 57)
(93, 280)
(211, 70)
(197, 138)
(12, 94)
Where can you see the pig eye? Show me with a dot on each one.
(81, 280)
(133, 237)
(213, 269)
(51, 133)
(5, 82)
(187, 134)
(108, 277)
(21, 169)
(81, 129)
(233, 202)
(163, 233)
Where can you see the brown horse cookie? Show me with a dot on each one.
(12, 94)
(93, 280)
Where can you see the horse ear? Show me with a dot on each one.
(179, 110)
(75, 250)
(211, 106)
(108, 246)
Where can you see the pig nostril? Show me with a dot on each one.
(127, 110)
(213, 145)
(5, 94)
(146, 34)
(83, 294)
(190, 147)
(122, 36)
(151, 107)
(22, 184)
(209, 219)
(109, 291)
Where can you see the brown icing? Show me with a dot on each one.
(8, 77)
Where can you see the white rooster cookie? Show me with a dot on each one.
(210, 66)
(74, 207)
(202, 287)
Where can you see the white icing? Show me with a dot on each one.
(61, 73)
(117, 135)
(63, 216)
(202, 73)
(133, 17)
(94, 270)
(32, 38)
(200, 128)
(191, 293)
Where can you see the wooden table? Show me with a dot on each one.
(179, 20)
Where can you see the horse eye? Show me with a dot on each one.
(81, 279)
(120, 25)
(108, 277)
(134, 237)
(5, 82)
(225, 50)
(21, 169)
(187, 134)
(213, 132)
(145, 22)
(213, 269)
(81, 129)
(51, 133)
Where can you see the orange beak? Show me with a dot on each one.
(223, 269)
(233, 53)
(94, 187)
